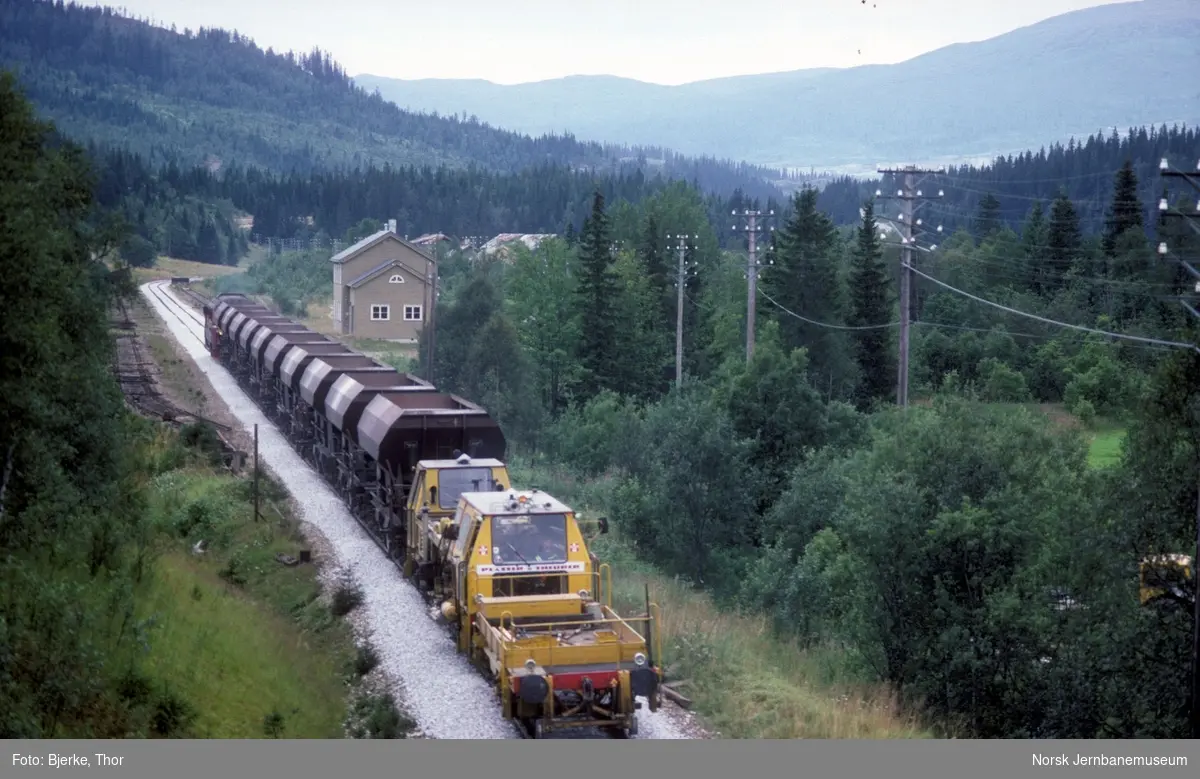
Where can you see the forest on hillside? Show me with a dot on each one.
(1080, 169)
(75, 529)
(213, 96)
(172, 205)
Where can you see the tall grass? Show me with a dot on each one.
(245, 642)
(239, 663)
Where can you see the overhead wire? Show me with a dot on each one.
(1156, 344)
(1097, 331)
(1042, 263)
(1043, 336)
(825, 324)
(1097, 200)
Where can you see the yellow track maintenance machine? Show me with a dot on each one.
(528, 603)
(436, 487)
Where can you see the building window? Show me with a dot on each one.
(396, 279)
(380, 313)
(412, 313)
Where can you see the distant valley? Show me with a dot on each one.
(1122, 65)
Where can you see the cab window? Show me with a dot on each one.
(530, 539)
(453, 482)
(463, 520)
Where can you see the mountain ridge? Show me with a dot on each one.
(1021, 89)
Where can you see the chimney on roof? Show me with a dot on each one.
(391, 225)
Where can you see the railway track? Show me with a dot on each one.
(181, 312)
(132, 370)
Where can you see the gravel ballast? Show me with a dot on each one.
(448, 698)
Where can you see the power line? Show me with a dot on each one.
(1004, 266)
(1004, 331)
(1124, 336)
(1051, 180)
(1001, 330)
(825, 324)
(1192, 179)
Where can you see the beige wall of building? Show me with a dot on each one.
(391, 304)
(389, 309)
(338, 297)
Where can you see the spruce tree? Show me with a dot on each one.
(208, 244)
(655, 258)
(987, 220)
(694, 360)
(805, 280)
(597, 294)
(1125, 213)
(1064, 242)
(870, 305)
(1033, 245)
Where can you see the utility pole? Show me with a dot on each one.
(432, 275)
(1193, 221)
(680, 281)
(907, 197)
(255, 471)
(752, 229)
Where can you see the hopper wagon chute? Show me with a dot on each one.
(398, 430)
(241, 327)
(234, 305)
(291, 370)
(270, 362)
(229, 312)
(261, 380)
(318, 378)
(215, 313)
(344, 405)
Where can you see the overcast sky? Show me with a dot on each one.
(661, 41)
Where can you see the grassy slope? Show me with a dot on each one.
(744, 682)
(169, 267)
(237, 635)
(1107, 439)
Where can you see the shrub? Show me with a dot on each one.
(365, 660)
(346, 598)
(376, 716)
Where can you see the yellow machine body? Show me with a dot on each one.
(532, 608)
(433, 500)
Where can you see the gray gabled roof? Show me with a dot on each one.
(374, 239)
(382, 268)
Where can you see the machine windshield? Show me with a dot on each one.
(453, 482)
(529, 539)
